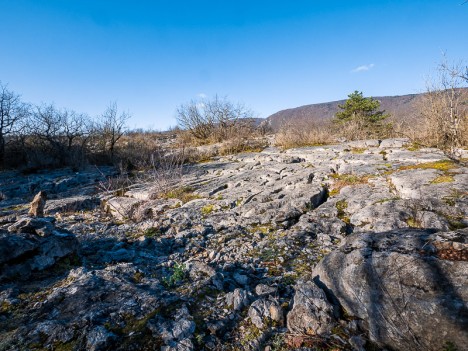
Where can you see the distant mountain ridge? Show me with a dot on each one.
(400, 106)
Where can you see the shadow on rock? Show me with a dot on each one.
(402, 284)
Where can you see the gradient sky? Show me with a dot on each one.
(151, 56)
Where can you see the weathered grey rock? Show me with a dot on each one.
(121, 207)
(266, 311)
(37, 205)
(402, 283)
(312, 313)
(394, 143)
(241, 279)
(54, 331)
(364, 143)
(254, 220)
(237, 299)
(71, 204)
(262, 289)
(31, 225)
(182, 345)
(177, 333)
(357, 342)
(22, 254)
(99, 338)
(197, 269)
(413, 184)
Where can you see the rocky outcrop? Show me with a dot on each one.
(37, 245)
(224, 259)
(408, 286)
(37, 205)
(266, 312)
(312, 313)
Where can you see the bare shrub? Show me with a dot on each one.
(110, 127)
(114, 184)
(299, 133)
(442, 119)
(359, 129)
(12, 113)
(164, 169)
(240, 145)
(214, 121)
(55, 138)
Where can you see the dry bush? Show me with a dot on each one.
(136, 148)
(436, 127)
(241, 136)
(299, 133)
(442, 116)
(164, 169)
(359, 129)
(219, 121)
(212, 120)
(303, 132)
(240, 145)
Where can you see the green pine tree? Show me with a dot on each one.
(358, 107)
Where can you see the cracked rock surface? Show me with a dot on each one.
(351, 246)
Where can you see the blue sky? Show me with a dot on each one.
(152, 56)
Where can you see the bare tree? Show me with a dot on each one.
(12, 112)
(112, 126)
(217, 118)
(47, 130)
(445, 107)
(75, 126)
(193, 118)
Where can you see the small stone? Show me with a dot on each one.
(37, 205)
(212, 254)
(237, 299)
(312, 313)
(99, 339)
(241, 279)
(265, 311)
(357, 343)
(262, 289)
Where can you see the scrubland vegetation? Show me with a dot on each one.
(235, 253)
(44, 136)
(441, 119)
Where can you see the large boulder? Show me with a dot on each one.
(312, 313)
(71, 204)
(266, 312)
(31, 225)
(23, 253)
(122, 208)
(408, 286)
(176, 333)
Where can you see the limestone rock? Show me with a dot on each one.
(39, 226)
(22, 254)
(99, 339)
(312, 313)
(237, 299)
(402, 283)
(266, 311)
(37, 205)
(121, 207)
(394, 143)
(71, 204)
(177, 333)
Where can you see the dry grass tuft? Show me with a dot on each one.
(443, 179)
(442, 165)
(343, 180)
(302, 133)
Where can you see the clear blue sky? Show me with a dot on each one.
(151, 56)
